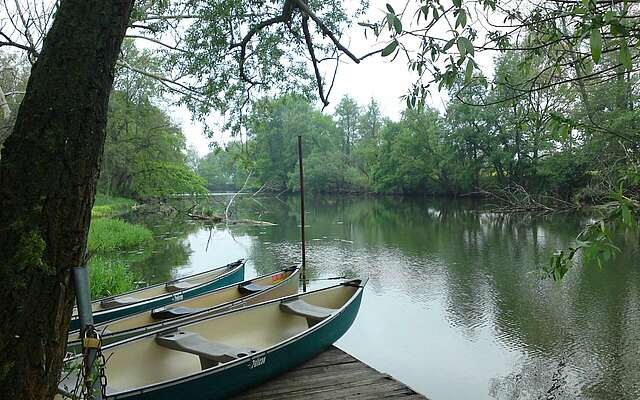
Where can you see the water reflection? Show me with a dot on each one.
(454, 306)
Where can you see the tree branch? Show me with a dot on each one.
(314, 61)
(304, 8)
(156, 41)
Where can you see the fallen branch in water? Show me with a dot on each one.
(226, 211)
(516, 199)
(217, 219)
(197, 215)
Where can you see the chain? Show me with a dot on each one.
(103, 377)
(92, 340)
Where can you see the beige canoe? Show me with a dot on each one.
(267, 287)
(161, 289)
(216, 357)
(162, 294)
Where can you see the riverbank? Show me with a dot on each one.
(109, 236)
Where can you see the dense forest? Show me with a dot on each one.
(572, 142)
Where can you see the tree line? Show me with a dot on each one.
(485, 139)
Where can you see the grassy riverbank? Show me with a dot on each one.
(108, 235)
(108, 238)
(108, 206)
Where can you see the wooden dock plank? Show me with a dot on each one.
(333, 374)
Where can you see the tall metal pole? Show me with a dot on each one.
(304, 256)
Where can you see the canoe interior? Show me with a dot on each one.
(161, 289)
(279, 284)
(142, 361)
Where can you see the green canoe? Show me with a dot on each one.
(237, 295)
(217, 357)
(162, 294)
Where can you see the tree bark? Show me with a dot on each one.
(48, 176)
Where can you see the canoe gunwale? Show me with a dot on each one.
(201, 315)
(168, 295)
(232, 364)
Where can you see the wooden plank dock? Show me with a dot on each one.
(333, 374)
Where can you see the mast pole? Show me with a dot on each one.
(304, 256)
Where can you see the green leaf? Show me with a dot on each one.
(625, 57)
(449, 44)
(462, 19)
(579, 10)
(390, 8)
(617, 28)
(465, 46)
(390, 48)
(457, 3)
(596, 44)
(609, 16)
(468, 73)
(395, 22)
(425, 11)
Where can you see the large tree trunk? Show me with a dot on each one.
(47, 184)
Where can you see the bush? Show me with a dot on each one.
(108, 235)
(109, 277)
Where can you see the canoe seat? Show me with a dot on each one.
(312, 313)
(178, 286)
(210, 353)
(251, 288)
(118, 301)
(174, 312)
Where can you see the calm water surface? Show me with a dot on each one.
(454, 307)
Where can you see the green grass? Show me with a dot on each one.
(112, 235)
(106, 206)
(109, 277)
(107, 237)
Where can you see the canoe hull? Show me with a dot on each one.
(235, 378)
(108, 315)
(286, 287)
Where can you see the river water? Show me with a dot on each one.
(455, 306)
